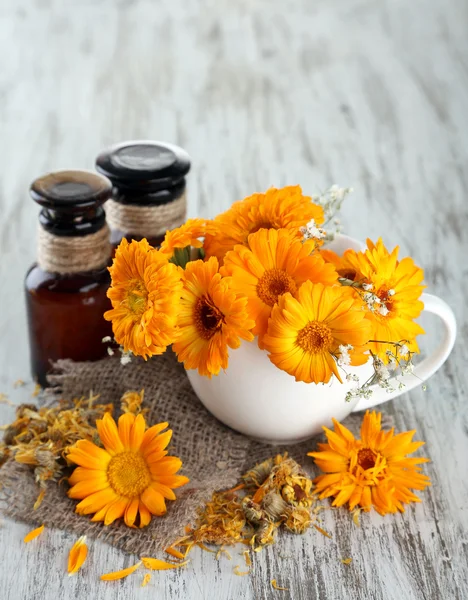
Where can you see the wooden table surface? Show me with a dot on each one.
(260, 92)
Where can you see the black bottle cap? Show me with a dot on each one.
(72, 201)
(144, 166)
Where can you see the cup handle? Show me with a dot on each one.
(426, 368)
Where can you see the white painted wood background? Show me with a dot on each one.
(372, 94)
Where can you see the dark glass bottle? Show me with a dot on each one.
(149, 189)
(66, 288)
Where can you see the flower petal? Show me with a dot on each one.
(109, 434)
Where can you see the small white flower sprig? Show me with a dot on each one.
(330, 201)
(400, 362)
(125, 355)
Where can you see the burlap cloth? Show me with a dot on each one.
(213, 455)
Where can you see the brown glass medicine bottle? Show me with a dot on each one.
(66, 288)
(149, 189)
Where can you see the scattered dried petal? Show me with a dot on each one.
(33, 534)
(223, 551)
(146, 580)
(77, 555)
(37, 389)
(248, 560)
(156, 564)
(240, 573)
(346, 561)
(39, 499)
(322, 531)
(18, 383)
(120, 574)
(277, 587)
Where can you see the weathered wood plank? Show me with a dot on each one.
(372, 95)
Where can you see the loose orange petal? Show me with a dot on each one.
(237, 571)
(346, 561)
(175, 553)
(277, 587)
(39, 499)
(156, 564)
(77, 555)
(146, 580)
(33, 534)
(120, 574)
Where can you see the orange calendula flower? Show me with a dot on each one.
(131, 477)
(285, 208)
(77, 555)
(32, 535)
(343, 267)
(121, 574)
(306, 336)
(212, 318)
(373, 471)
(391, 293)
(274, 263)
(144, 292)
(188, 234)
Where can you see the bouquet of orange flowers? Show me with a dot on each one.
(262, 272)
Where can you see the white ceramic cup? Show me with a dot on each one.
(259, 400)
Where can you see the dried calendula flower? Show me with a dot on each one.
(131, 402)
(39, 437)
(298, 520)
(256, 476)
(253, 512)
(77, 555)
(274, 505)
(156, 564)
(120, 574)
(32, 535)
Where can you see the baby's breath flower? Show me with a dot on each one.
(404, 350)
(383, 310)
(110, 352)
(311, 231)
(344, 359)
(368, 287)
(391, 292)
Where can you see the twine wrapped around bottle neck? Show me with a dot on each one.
(73, 254)
(146, 221)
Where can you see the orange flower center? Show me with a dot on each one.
(262, 225)
(137, 297)
(315, 337)
(128, 474)
(347, 274)
(273, 284)
(366, 458)
(208, 318)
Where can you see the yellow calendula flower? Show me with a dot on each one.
(212, 318)
(285, 208)
(391, 291)
(145, 293)
(188, 234)
(274, 263)
(131, 477)
(77, 555)
(373, 471)
(307, 335)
